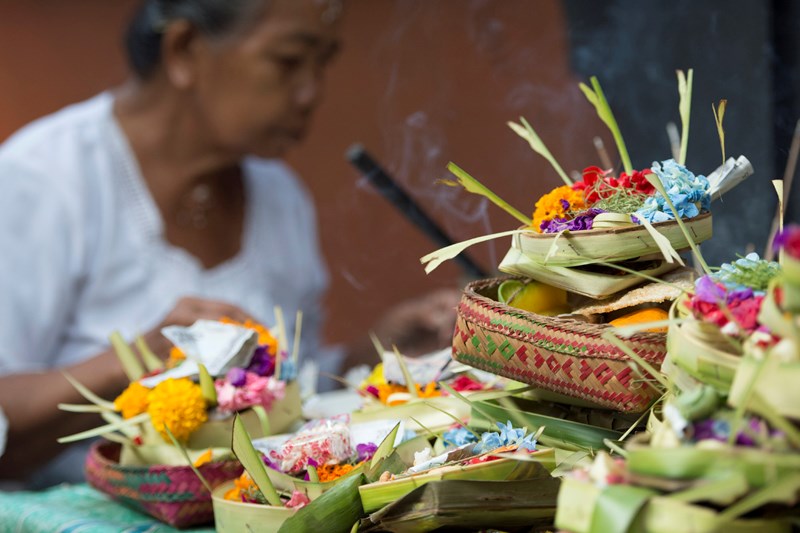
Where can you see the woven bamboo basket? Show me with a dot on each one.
(558, 354)
(172, 494)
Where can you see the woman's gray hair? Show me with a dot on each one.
(216, 18)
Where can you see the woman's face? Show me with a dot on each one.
(256, 91)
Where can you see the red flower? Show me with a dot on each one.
(637, 181)
(595, 179)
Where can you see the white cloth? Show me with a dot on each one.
(83, 252)
(3, 432)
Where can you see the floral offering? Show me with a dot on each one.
(575, 207)
(731, 298)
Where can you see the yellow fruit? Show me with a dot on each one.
(534, 297)
(642, 316)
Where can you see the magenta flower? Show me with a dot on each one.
(365, 451)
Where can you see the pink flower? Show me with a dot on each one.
(257, 390)
(465, 383)
(789, 240)
(298, 500)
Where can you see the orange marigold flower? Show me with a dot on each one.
(244, 484)
(331, 472)
(176, 357)
(386, 390)
(265, 337)
(132, 401)
(204, 458)
(177, 404)
(557, 204)
(430, 391)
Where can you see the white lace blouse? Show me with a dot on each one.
(84, 252)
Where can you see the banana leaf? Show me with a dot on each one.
(165, 454)
(775, 382)
(558, 432)
(759, 467)
(377, 495)
(334, 512)
(586, 508)
(235, 517)
(702, 350)
(469, 505)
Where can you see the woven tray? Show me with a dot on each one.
(558, 354)
(172, 494)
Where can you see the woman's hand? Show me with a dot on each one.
(185, 313)
(421, 325)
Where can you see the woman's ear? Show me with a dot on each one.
(179, 49)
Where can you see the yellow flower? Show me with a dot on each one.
(177, 404)
(552, 205)
(265, 337)
(375, 378)
(132, 401)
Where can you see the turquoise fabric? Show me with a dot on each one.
(74, 509)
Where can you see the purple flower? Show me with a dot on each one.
(262, 362)
(365, 451)
(270, 464)
(711, 429)
(564, 204)
(236, 376)
(583, 221)
(735, 297)
(309, 463)
(709, 291)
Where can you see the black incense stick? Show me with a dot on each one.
(395, 194)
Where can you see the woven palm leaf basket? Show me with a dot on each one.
(559, 354)
(172, 494)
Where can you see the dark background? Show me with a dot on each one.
(424, 82)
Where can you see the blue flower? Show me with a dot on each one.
(688, 193)
(508, 436)
(458, 437)
(489, 441)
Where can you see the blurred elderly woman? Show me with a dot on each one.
(158, 203)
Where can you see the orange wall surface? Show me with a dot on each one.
(418, 83)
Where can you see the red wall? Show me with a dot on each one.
(418, 83)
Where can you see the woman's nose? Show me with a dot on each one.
(309, 89)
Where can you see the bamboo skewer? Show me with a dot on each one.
(605, 160)
(674, 140)
(788, 178)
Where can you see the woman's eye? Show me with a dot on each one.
(288, 63)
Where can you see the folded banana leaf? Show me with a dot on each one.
(586, 508)
(377, 495)
(760, 468)
(336, 511)
(470, 505)
(233, 517)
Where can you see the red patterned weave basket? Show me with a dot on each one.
(172, 494)
(562, 355)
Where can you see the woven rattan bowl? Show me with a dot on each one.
(559, 354)
(172, 494)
